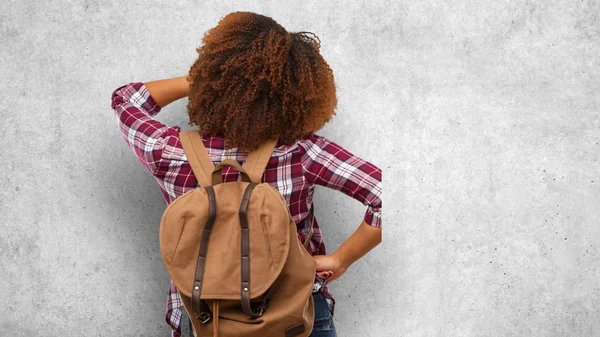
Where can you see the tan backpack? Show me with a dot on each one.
(233, 253)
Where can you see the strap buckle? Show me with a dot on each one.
(204, 317)
(261, 310)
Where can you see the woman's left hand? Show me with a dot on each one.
(329, 267)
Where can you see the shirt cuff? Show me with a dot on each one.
(150, 104)
(373, 216)
(139, 96)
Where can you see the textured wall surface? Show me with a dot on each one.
(484, 116)
(501, 140)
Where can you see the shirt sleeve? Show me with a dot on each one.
(135, 108)
(328, 164)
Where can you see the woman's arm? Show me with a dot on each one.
(168, 90)
(135, 105)
(365, 238)
(328, 164)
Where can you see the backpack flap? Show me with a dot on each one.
(181, 230)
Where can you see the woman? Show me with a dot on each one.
(252, 81)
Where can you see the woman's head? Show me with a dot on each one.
(253, 81)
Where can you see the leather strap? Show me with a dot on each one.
(216, 319)
(197, 156)
(258, 159)
(199, 307)
(245, 284)
(295, 330)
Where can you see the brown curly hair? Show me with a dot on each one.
(254, 81)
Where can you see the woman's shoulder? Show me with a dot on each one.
(313, 144)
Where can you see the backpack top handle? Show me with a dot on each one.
(216, 173)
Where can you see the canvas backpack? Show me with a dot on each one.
(233, 252)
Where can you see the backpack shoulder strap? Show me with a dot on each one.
(197, 156)
(257, 160)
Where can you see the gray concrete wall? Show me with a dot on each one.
(501, 140)
(485, 118)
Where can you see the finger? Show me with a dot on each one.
(326, 274)
(330, 279)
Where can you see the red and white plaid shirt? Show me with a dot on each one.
(293, 170)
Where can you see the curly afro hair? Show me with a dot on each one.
(254, 81)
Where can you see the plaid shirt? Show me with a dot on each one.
(293, 170)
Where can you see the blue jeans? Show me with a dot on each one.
(323, 319)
